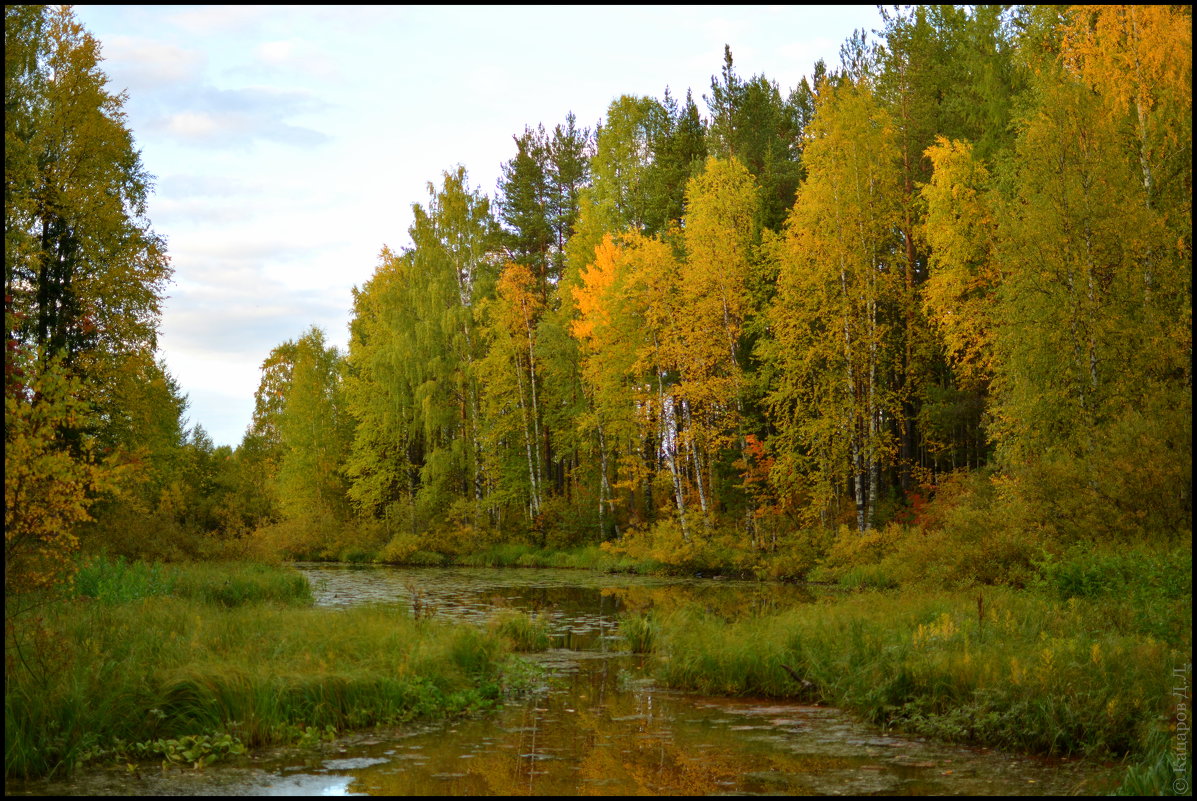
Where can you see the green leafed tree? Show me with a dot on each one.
(415, 352)
(525, 205)
(383, 463)
(751, 122)
(625, 146)
(84, 271)
(1093, 378)
(314, 432)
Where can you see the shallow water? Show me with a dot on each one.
(599, 725)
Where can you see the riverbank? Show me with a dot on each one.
(998, 668)
(189, 663)
(1092, 658)
(1025, 646)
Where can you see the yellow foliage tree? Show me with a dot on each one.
(721, 204)
(48, 483)
(959, 293)
(839, 274)
(510, 388)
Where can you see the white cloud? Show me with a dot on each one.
(218, 19)
(289, 57)
(276, 52)
(143, 64)
(194, 125)
(238, 118)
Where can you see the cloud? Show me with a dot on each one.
(208, 186)
(223, 412)
(217, 342)
(290, 57)
(166, 209)
(236, 118)
(221, 19)
(243, 329)
(142, 65)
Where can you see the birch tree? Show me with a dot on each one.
(836, 292)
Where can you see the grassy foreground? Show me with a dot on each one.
(189, 663)
(1013, 669)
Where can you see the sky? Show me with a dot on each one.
(289, 143)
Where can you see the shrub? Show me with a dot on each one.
(855, 549)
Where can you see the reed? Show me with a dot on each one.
(639, 632)
(525, 632)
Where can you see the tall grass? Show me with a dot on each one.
(223, 583)
(1016, 670)
(525, 632)
(95, 675)
(639, 632)
(119, 581)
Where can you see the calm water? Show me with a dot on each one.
(598, 725)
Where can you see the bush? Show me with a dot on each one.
(408, 549)
(796, 554)
(356, 555)
(852, 550)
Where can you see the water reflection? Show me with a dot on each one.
(605, 730)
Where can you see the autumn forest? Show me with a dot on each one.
(922, 321)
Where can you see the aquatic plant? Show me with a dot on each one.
(639, 632)
(525, 632)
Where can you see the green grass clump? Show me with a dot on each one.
(85, 679)
(237, 584)
(222, 583)
(119, 581)
(1095, 571)
(525, 632)
(639, 632)
(1166, 768)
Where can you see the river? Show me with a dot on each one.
(598, 724)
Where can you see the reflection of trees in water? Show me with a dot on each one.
(730, 601)
(587, 736)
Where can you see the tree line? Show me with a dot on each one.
(963, 253)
